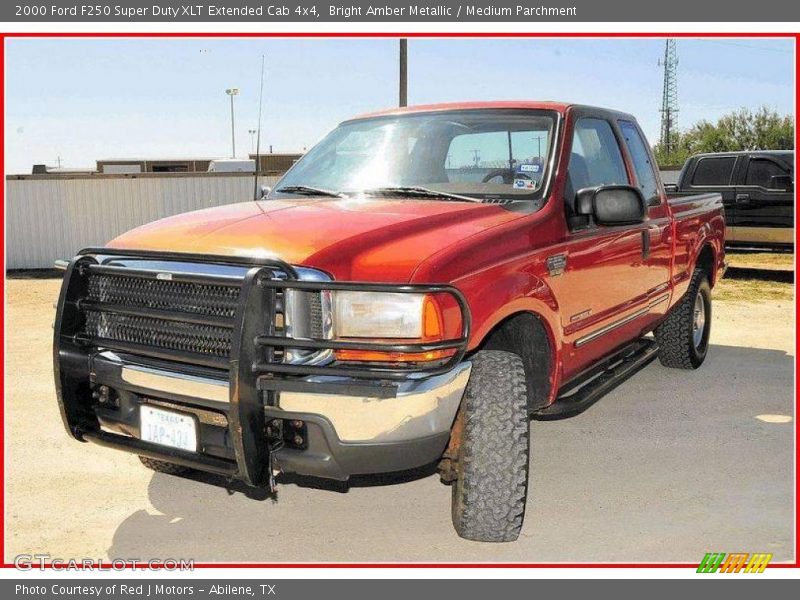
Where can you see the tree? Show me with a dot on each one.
(744, 129)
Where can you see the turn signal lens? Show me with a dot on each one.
(373, 356)
(432, 325)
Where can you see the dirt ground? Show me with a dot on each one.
(670, 465)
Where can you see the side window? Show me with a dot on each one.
(642, 164)
(714, 170)
(760, 171)
(596, 158)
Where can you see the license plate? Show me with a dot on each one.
(168, 428)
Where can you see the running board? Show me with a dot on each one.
(588, 388)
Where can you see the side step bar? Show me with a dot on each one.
(589, 387)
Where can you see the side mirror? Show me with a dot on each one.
(612, 204)
(781, 182)
(265, 190)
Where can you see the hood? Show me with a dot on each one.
(352, 239)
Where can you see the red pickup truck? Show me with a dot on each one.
(414, 290)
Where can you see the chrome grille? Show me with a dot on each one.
(181, 296)
(177, 305)
(160, 333)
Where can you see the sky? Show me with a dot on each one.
(76, 101)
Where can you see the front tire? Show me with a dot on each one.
(683, 336)
(489, 494)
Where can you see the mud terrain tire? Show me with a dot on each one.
(489, 495)
(680, 348)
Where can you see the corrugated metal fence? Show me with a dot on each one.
(50, 217)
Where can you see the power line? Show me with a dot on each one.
(748, 46)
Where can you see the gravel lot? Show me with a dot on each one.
(667, 467)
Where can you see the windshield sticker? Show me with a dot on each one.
(524, 184)
(529, 168)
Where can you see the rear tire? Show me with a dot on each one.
(161, 466)
(489, 494)
(683, 336)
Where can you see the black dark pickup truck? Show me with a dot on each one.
(757, 190)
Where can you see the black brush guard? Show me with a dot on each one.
(255, 370)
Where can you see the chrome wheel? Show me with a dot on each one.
(699, 321)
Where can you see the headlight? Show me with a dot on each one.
(378, 315)
(386, 316)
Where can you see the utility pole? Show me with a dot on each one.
(403, 72)
(233, 92)
(669, 97)
(252, 133)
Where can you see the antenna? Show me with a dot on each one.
(258, 133)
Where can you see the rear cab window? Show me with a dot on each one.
(516, 157)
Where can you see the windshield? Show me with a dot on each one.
(479, 153)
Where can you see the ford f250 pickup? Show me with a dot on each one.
(416, 289)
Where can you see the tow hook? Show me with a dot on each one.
(284, 433)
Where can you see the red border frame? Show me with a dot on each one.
(107, 566)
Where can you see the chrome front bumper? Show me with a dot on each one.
(345, 433)
(420, 408)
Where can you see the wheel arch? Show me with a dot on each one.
(707, 260)
(528, 334)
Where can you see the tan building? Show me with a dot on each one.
(153, 165)
(272, 164)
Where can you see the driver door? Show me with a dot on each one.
(601, 291)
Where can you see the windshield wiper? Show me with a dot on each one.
(417, 192)
(308, 190)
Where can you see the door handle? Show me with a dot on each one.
(742, 198)
(645, 244)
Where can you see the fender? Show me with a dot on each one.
(704, 237)
(712, 242)
(715, 238)
(691, 235)
(521, 294)
(502, 271)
